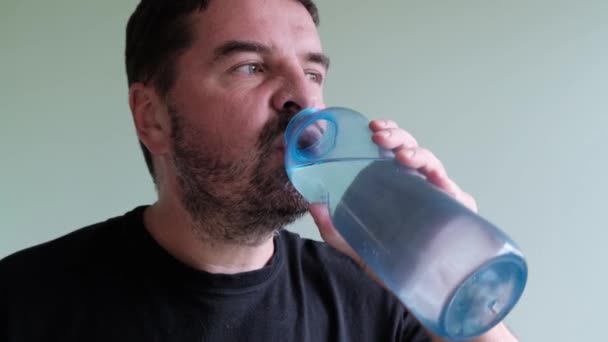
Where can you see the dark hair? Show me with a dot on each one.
(157, 33)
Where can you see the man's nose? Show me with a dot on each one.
(296, 92)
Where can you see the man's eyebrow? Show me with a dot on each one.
(236, 46)
(319, 58)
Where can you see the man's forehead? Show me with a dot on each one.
(267, 21)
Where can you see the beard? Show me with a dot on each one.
(242, 201)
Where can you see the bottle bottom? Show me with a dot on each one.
(484, 298)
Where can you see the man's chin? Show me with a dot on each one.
(290, 203)
(279, 196)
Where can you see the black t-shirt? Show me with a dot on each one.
(112, 282)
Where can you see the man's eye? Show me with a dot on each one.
(249, 69)
(314, 76)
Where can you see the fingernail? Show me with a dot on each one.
(384, 134)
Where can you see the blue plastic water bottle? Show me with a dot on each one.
(455, 271)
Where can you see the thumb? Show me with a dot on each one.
(329, 233)
(321, 217)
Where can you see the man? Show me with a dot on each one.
(212, 87)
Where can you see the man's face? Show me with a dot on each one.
(253, 64)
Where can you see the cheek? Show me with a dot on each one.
(226, 118)
(228, 129)
(242, 114)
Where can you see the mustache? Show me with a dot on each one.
(275, 128)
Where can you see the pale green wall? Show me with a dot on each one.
(512, 95)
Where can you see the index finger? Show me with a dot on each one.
(378, 124)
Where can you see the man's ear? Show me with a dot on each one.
(150, 117)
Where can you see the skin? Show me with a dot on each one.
(227, 96)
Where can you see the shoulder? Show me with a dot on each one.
(79, 250)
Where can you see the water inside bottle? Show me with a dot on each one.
(436, 257)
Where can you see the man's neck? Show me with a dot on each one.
(170, 226)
